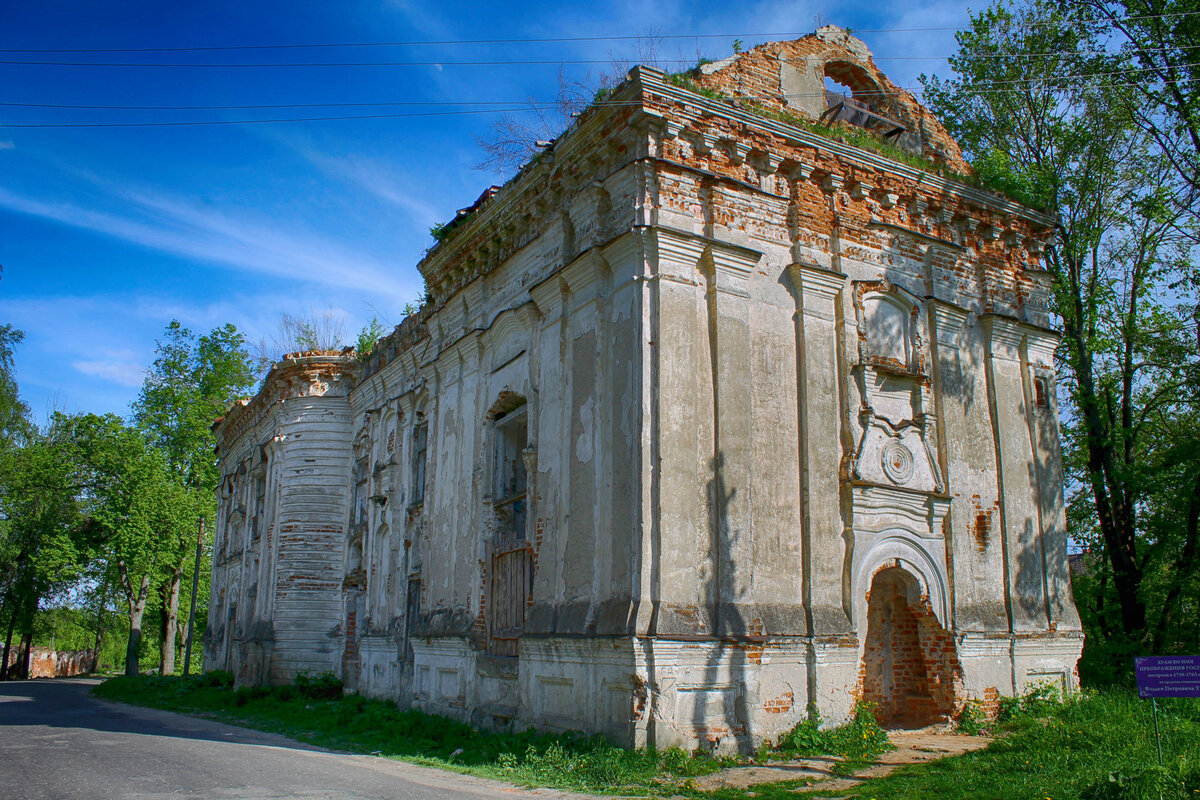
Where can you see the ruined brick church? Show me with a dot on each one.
(711, 418)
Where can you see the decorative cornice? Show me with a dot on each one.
(655, 80)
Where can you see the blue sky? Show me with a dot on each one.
(108, 233)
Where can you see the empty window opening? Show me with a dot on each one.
(358, 520)
(260, 502)
(511, 479)
(412, 613)
(853, 97)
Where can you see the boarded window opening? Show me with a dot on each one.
(510, 568)
(419, 451)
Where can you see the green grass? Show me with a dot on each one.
(1097, 746)
(315, 711)
(858, 743)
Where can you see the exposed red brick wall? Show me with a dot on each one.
(756, 74)
(47, 663)
(910, 669)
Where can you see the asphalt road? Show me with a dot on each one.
(57, 741)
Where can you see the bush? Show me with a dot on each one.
(1039, 701)
(247, 693)
(217, 679)
(325, 686)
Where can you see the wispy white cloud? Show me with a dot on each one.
(173, 225)
(375, 178)
(4, 145)
(123, 373)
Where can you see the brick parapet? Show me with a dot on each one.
(761, 75)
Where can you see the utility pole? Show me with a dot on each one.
(187, 650)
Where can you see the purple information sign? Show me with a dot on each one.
(1168, 676)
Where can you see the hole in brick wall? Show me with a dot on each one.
(909, 661)
(1041, 394)
(854, 97)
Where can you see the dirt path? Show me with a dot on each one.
(912, 747)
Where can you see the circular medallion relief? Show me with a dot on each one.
(897, 462)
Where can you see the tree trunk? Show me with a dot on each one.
(167, 660)
(12, 624)
(1113, 511)
(137, 605)
(1183, 571)
(27, 654)
(99, 625)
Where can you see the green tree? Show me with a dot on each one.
(136, 505)
(1153, 44)
(14, 416)
(192, 382)
(1043, 105)
(43, 547)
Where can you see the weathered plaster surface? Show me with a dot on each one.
(756, 369)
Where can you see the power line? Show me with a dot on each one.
(542, 62)
(529, 40)
(253, 65)
(387, 103)
(1062, 82)
(527, 107)
(182, 123)
(494, 63)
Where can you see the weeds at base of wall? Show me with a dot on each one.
(972, 720)
(1090, 746)
(858, 743)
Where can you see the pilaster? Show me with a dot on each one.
(818, 323)
(1024, 560)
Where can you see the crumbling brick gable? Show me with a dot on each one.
(789, 77)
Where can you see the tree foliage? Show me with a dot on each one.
(136, 505)
(43, 546)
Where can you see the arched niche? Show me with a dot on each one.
(890, 327)
(899, 548)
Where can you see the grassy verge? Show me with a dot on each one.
(1097, 746)
(315, 711)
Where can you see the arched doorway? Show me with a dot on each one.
(909, 664)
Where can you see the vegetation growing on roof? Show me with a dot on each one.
(440, 231)
(368, 338)
(686, 80)
(992, 181)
